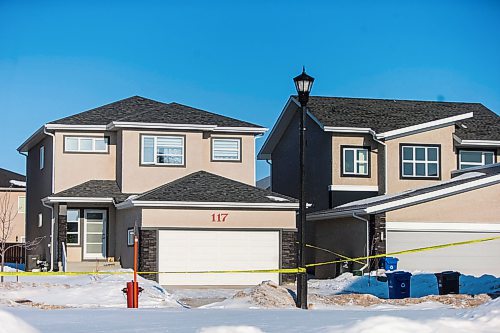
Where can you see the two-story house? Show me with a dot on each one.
(12, 206)
(364, 152)
(183, 176)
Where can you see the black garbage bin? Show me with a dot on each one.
(448, 282)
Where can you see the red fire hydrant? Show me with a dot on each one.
(132, 290)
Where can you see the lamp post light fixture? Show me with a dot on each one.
(303, 84)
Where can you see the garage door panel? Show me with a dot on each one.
(475, 259)
(201, 250)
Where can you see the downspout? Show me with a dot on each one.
(374, 135)
(52, 221)
(367, 240)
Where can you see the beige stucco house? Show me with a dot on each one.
(361, 151)
(184, 177)
(12, 205)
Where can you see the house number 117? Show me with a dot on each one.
(221, 217)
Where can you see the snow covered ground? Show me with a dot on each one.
(96, 304)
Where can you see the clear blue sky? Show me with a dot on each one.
(237, 58)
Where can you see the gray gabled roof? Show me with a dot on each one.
(383, 115)
(203, 186)
(463, 177)
(6, 176)
(144, 110)
(94, 189)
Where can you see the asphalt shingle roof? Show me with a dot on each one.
(95, 189)
(384, 115)
(462, 177)
(6, 176)
(140, 109)
(203, 186)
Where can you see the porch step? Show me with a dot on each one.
(92, 266)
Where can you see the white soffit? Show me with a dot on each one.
(442, 226)
(361, 188)
(478, 143)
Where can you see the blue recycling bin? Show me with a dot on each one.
(389, 263)
(399, 285)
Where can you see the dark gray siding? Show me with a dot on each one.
(39, 185)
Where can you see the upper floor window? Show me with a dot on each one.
(226, 149)
(420, 161)
(470, 158)
(73, 226)
(85, 144)
(355, 161)
(21, 205)
(162, 150)
(42, 157)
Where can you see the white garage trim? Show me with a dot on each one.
(446, 226)
(187, 250)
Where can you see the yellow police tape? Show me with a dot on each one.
(282, 271)
(335, 253)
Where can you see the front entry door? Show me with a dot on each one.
(94, 245)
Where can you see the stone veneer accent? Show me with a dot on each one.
(148, 244)
(288, 254)
(62, 228)
(377, 243)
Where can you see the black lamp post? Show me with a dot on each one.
(303, 84)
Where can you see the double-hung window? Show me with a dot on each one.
(75, 144)
(418, 161)
(21, 205)
(226, 149)
(470, 158)
(162, 150)
(42, 157)
(355, 161)
(73, 226)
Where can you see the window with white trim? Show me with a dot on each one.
(42, 157)
(73, 226)
(420, 161)
(470, 158)
(226, 149)
(40, 220)
(162, 150)
(355, 161)
(77, 144)
(21, 205)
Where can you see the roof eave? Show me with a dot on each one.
(198, 204)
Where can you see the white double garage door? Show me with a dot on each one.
(217, 250)
(473, 259)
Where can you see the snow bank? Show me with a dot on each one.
(82, 291)
(230, 329)
(485, 318)
(265, 295)
(422, 284)
(11, 324)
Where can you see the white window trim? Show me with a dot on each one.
(426, 162)
(482, 152)
(155, 150)
(40, 220)
(42, 157)
(80, 138)
(130, 242)
(74, 232)
(19, 206)
(238, 140)
(356, 161)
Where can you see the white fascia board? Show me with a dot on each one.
(126, 124)
(24, 147)
(433, 195)
(195, 204)
(362, 130)
(442, 226)
(476, 143)
(361, 188)
(75, 127)
(258, 130)
(423, 127)
(12, 189)
(268, 146)
(78, 199)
